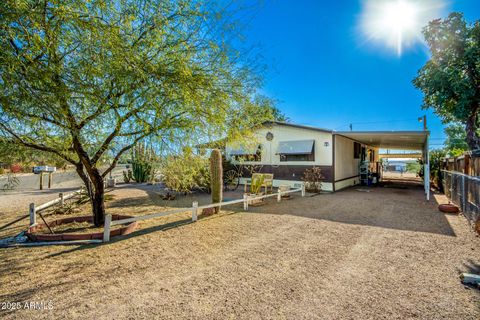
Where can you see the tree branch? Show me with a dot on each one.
(40, 147)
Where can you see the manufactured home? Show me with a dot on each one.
(345, 158)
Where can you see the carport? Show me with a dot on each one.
(397, 140)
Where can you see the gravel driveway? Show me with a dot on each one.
(384, 254)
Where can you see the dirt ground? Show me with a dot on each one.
(381, 254)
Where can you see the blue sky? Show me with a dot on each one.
(325, 73)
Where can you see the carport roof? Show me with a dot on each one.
(404, 140)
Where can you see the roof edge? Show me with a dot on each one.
(293, 125)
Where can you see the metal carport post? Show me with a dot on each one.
(426, 169)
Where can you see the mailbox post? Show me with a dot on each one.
(45, 169)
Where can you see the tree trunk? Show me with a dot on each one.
(96, 192)
(97, 198)
(473, 139)
(98, 204)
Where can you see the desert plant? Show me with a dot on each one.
(142, 163)
(185, 172)
(12, 182)
(257, 182)
(202, 179)
(216, 177)
(313, 179)
(16, 168)
(141, 171)
(127, 176)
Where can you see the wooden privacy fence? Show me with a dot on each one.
(464, 191)
(468, 164)
(194, 209)
(61, 200)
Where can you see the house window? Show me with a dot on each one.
(297, 157)
(357, 150)
(242, 154)
(249, 157)
(299, 150)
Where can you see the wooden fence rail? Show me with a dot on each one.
(61, 199)
(468, 164)
(194, 209)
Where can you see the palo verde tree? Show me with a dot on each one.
(84, 80)
(450, 80)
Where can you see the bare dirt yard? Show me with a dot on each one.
(382, 254)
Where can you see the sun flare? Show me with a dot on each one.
(398, 23)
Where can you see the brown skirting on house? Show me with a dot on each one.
(290, 172)
(356, 176)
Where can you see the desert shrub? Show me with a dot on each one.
(186, 172)
(16, 168)
(313, 179)
(202, 179)
(127, 176)
(12, 182)
(2, 170)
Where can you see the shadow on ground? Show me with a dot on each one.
(396, 206)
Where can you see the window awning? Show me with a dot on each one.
(241, 151)
(296, 147)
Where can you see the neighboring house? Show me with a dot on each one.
(396, 166)
(287, 150)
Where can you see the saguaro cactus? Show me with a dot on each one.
(216, 177)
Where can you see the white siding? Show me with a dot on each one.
(345, 165)
(323, 153)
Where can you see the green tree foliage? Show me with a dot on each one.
(450, 80)
(436, 157)
(413, 167)
(455, 144)
(86, 80)
(12, 152)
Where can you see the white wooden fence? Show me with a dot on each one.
(194, 209)
(61, 199)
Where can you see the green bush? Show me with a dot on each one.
(313, 179)
(185, 173)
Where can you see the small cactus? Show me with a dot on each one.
(216, 177)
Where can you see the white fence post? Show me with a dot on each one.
(62, 199)
(279, 196)
(33, 214)
(245, 201)
(106, 229)
(303, 189)
(194, 211)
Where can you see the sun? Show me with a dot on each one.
(398, 23)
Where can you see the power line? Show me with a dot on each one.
(376, 122)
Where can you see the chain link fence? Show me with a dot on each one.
(464, 191)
